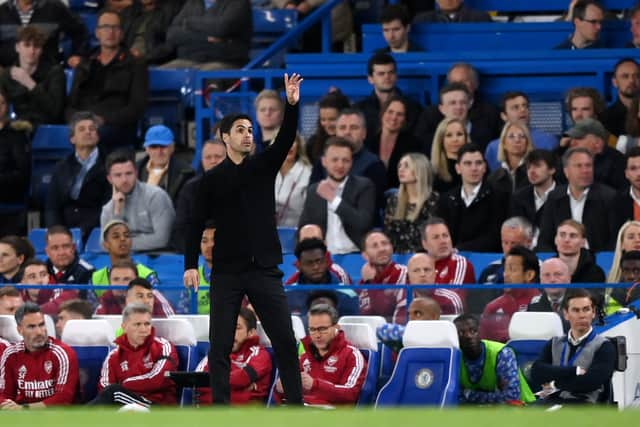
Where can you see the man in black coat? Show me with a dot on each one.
(79, 186)
(238, 196)
(627, 200)
(582, 200)
(474, 211)
(626, 78)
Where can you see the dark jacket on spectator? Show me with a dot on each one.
(622, 211)
(15, 164)
(183, 206)
(229, 20)
(502, 180)
(51, 16)
(78, 272)
(177, 175)
(477, 227)
(406, 143)
(370, 106)
(94, 193)
(117, 91)
(45, 103)
(523, 204)
(614, 118)
(463, 14)
(587, 271)
(568, 45)
(608, 168)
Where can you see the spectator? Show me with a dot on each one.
(139, 290)
(343, 204)
(250, 364)
(634, 21)
(629, 273)
(314, 269)
(329, 107)
(393, 140)
(134, 372)
(489, 370)
(421, 308)
(382, 72)
(521, 266)
(14, 251)
(582, 200)
(515, 109)
(313, 231)
(63, 262)
(79, 186)
(576, 368)
(452, 11)
(15, 170)
(413, 204)
(269, 114)
(160, 167)
(291, 185)
(631, 137)
(339, 386)
(473, 211)
(451, 268)
(112, 84)
(71, 310)
(147, 209)
(52, 17)
(570, 244)
(49, 299)
(626, 200)
(552, 271)
(10, 300)
(451, 135)
(396, 26)
(27, 381)
(380, 269)
(35, 88)
(628, 240)
(626, 79)
(529, 201)
(207, 244)
(213, 153)
(587, 19)
(515, 144)
(584, 103)
(608, 163)
(211, 36)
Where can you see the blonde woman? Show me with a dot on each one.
(628, 240)
(414, 203)
(269, 114)
(515, 144)
(451, 134)
(291, 185)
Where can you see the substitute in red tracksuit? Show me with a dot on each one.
(134, 372)
(49, 300)
(332, 369)
(38, 371)
(3, 344)
(250, 373)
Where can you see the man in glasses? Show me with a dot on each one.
(587, 19)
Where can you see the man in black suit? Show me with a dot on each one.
(627, 201)
(626, 79)
(552, 271)
(238, 196)
(529, 201)
(582, 200)
(342, 204)
(474, 211)
(452, 11)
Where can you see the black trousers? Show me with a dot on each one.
(264, 288)
(115, 394)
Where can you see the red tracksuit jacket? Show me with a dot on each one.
(250, 373)
(112, 304)
(49, 375)
(494, 324)
(3, 344)
(383, 303)
(338, 375)
(141, 370)
(50, 300)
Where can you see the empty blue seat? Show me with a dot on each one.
(93, 245)
(287, 236)
(364, 338)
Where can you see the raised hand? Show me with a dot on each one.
(292, 87)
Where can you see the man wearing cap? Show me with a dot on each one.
(146, 208)
(159, 167)
(79, 184)
(608, 163)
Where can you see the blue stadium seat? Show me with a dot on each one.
(91, 339)
(49, 145)
(93, 245)
(287, 236)
(428, 367)
(170, 268)
(528, 333)
(37, 237)
(386, 362)
(288, 266)
(268, 26)
(481, 260)
(363, 337)
(200, 324)
(351, 263)
(604, 260)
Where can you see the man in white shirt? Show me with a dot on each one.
(342, 204)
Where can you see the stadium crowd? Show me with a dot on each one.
(380, 176)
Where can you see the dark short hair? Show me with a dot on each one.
(119, 156)
(336, 141)
(624, 61)
(249, 318)
(21, 245)
(633, 152)
(139, 281)
(227, 121)
(580, 8)
(106, 11)
(434, 220)
(34, 261)
(78, 306)
(380, 58)
(369, 233)
(465, 317)
(330, 295)
(530, 260)
(508, 96)
(9, 291)
(469, 148)
(629, 256)
(26, 308)
(540, 155)
(452, 87)
(577, 293)
(31, 33)
(335, 99)
(79, 116)
(320, 309)
(392, 12)
(309, 245)
(58, 229)
(586, 92)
